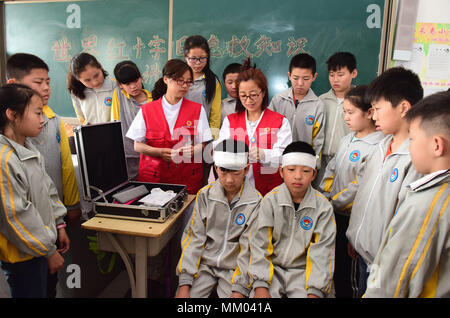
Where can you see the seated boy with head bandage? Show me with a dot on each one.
(293, 238)
(215, 252)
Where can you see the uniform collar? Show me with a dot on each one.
(289, 95)
(149, 95)
(23, 152)
(245, 195)
(285, 199)
(48, 112)
(402, 150)
(430, 180)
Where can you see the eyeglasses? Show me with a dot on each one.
(252, 96)
(181, 82)
(201, 60)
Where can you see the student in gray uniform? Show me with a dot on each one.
(342, 175)
(388, 169)
(230, 75)
(304, 110)
(293, 238)
(215, 251)
(126, 103)
(414, 257)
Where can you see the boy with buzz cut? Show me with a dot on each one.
(52, 142)
(304, 110)
(341, 72)
(214, 246)
(293, 238)
(414, 257)
(388, 169)
(229, 75)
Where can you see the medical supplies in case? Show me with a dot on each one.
(104, 178)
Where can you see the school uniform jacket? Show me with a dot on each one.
(307, 120)
(30, 208)
(197, 93)
(217, 235)
(302, 239)
(228, 107)
(53, 144)
(96, 107)
(344, 171)
(335, 126)
(414, 257)
(382, 187)
(124, 108)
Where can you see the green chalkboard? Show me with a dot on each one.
(112, 30)
(274, 31)
(271, 32)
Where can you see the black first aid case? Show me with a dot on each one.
(104, 178)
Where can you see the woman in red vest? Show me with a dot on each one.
(266, 132)
(171, 132)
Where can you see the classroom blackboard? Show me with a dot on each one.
(112, 30)
(270, 32)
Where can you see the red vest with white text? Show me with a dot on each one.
(155, 169)
(265, 137)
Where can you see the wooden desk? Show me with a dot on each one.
(142, 238)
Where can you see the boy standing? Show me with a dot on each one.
(414, 257)
(341, 71)
(230, 75)
(304, 110)
(388, 168)
(293, 245)
(214, 246)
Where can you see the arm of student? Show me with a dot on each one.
(240, 281)
(409, 259)
(318, 135)
(272, 156)
(22, 224)
(321, 254)
(115, 112)
(192, 242)
(260, 269)
(78, 110)
(327, 181)
(216, 112)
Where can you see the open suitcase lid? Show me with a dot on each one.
(102, 164)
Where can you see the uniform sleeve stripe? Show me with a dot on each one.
(13, 209)
(269, 254)
(418, 239)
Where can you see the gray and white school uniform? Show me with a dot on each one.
(382, 187)
(293, 251)
(215, 241)
(346, 168)
(414, 257)
(228, 107)
(307, 120)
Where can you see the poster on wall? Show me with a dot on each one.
(430, 57)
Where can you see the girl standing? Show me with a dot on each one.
(31, 214)
(91, 89)
(266, 132)
(127, 101)
(171, 131)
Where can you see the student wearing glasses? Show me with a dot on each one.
(266, 132)
(171, 131)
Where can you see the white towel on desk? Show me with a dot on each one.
(158, 197)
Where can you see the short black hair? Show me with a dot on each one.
(126, 72)
(303, 60)
(433, 112)
(395, 85)
(356, 96)
(231, 68)
(299, 146)
(341, 59)
(231, 145)
(20, 65)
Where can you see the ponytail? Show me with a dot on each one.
(159, 89)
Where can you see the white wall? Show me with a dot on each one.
(437, 11)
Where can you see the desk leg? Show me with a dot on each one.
(126, 260)
(141, 267)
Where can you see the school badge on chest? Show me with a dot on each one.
(309, 120)
(108, 101)
(306, 223)
(240, 219)
(354, 156)
(394, 175)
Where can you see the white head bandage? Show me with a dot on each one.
(298, 158)
(230, 160)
